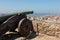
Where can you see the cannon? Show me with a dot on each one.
(6, 16)
(19, 21)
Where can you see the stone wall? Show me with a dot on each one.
(48, 28)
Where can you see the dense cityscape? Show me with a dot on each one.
(55, 18)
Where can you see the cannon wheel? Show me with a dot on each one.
(25, 26)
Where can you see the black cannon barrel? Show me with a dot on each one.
(6, 16)
(27, 12)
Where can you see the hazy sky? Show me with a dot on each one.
(42, 6)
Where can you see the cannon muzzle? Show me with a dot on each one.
(27, 12)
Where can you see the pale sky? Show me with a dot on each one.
(42, 6)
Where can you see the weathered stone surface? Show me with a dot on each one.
(45, 37)
(49, 28)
